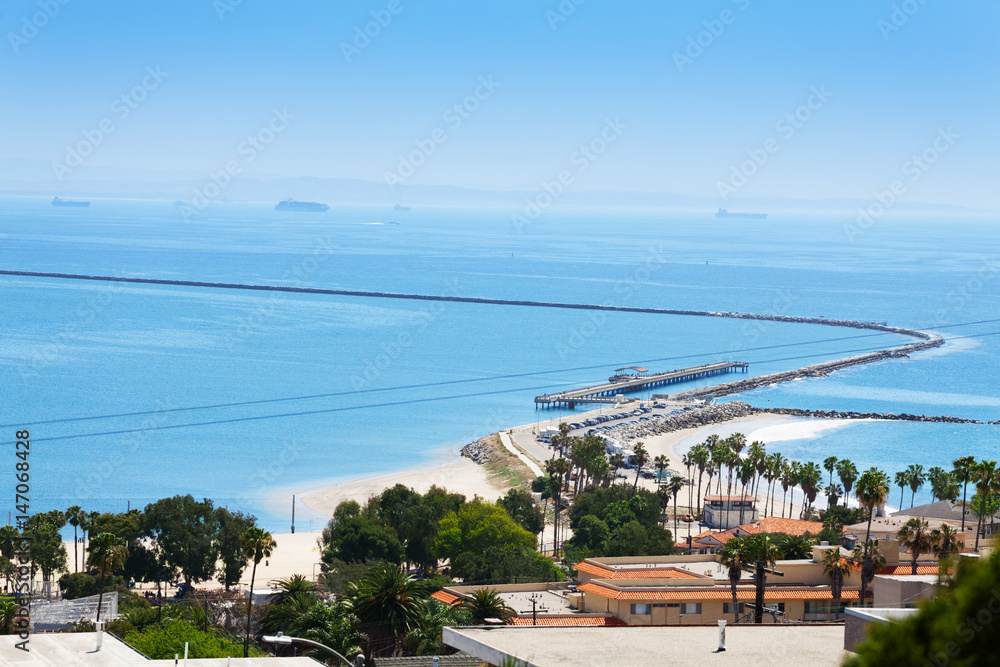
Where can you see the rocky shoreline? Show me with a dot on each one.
(480, 451)
(715, 414)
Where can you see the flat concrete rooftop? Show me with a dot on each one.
(762, 645)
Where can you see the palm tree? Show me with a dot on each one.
(760, 550)
(872, 491)
(915, 478)
(108, 553)
(660, 462)
(945, 541)
(901, 481)
(674, 487)
(810, 477)
(962, 472)
(293, 585)
(688, 462)
(788, 474)
(757, 454)
(257, 545)
(699, 456)
(720, 454)
(939, 480)
(848, 474)
(794, 547)
(987, 479)
(640, 457)
(869, 559)
(916, 536)
(734, 554)
(833, 493)
(776, 467)
(830, 464)
(73, 516)
(617, 462)
(836, 568)
(484, 603)
(745, 474)
(389, 603)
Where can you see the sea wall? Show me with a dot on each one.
(706, 415)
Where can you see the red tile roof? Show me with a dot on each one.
(665, 572)
(445, 597)
(772, 595)
(773, 524)
(599, 621)
(906, 569)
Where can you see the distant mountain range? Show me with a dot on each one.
(35, 177)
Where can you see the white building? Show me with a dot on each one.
(724, 512)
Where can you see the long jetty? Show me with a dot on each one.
(925, 340)
(608, 391)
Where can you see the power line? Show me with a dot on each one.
(481, 379)
(406, 402)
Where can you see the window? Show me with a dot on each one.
(658, 604)
(640, 609)
(691, 608)
(673, 604)
(815, 607)
(727, 608)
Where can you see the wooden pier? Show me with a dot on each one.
(608, 392)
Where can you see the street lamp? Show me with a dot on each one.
(284, 639)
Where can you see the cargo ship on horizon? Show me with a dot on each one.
(723, 213)
(301, 206)
(59, 201)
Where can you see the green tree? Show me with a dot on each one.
(674, 487)
(873, 489)
(987, 479)
(185, 532)
(830, 464)
(901, 480)
(257, 545)
(389, 604)
(950, 629)
(848, 474)
(963, 474)
(734, 555)
(73, 516)
(639, 457)
(162, 641)
(793, 547)
(425, 639)
(945, 542)
(836, 568)
(107, 554)
(523, 510)
(476, 526)
(358, 540)
(48, 553)
(591, 534)
(915, 535)
(333, 625)
(484, 603)
(915, 479)
(232, 527)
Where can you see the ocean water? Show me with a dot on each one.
(136, 392)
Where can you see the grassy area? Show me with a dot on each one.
(505, 469)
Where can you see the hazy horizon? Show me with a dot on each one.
(726, 100)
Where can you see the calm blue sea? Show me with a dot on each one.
(103, 374)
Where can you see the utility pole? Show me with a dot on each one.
(293, 515)
(534, 611)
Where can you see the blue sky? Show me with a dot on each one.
(891, 93)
